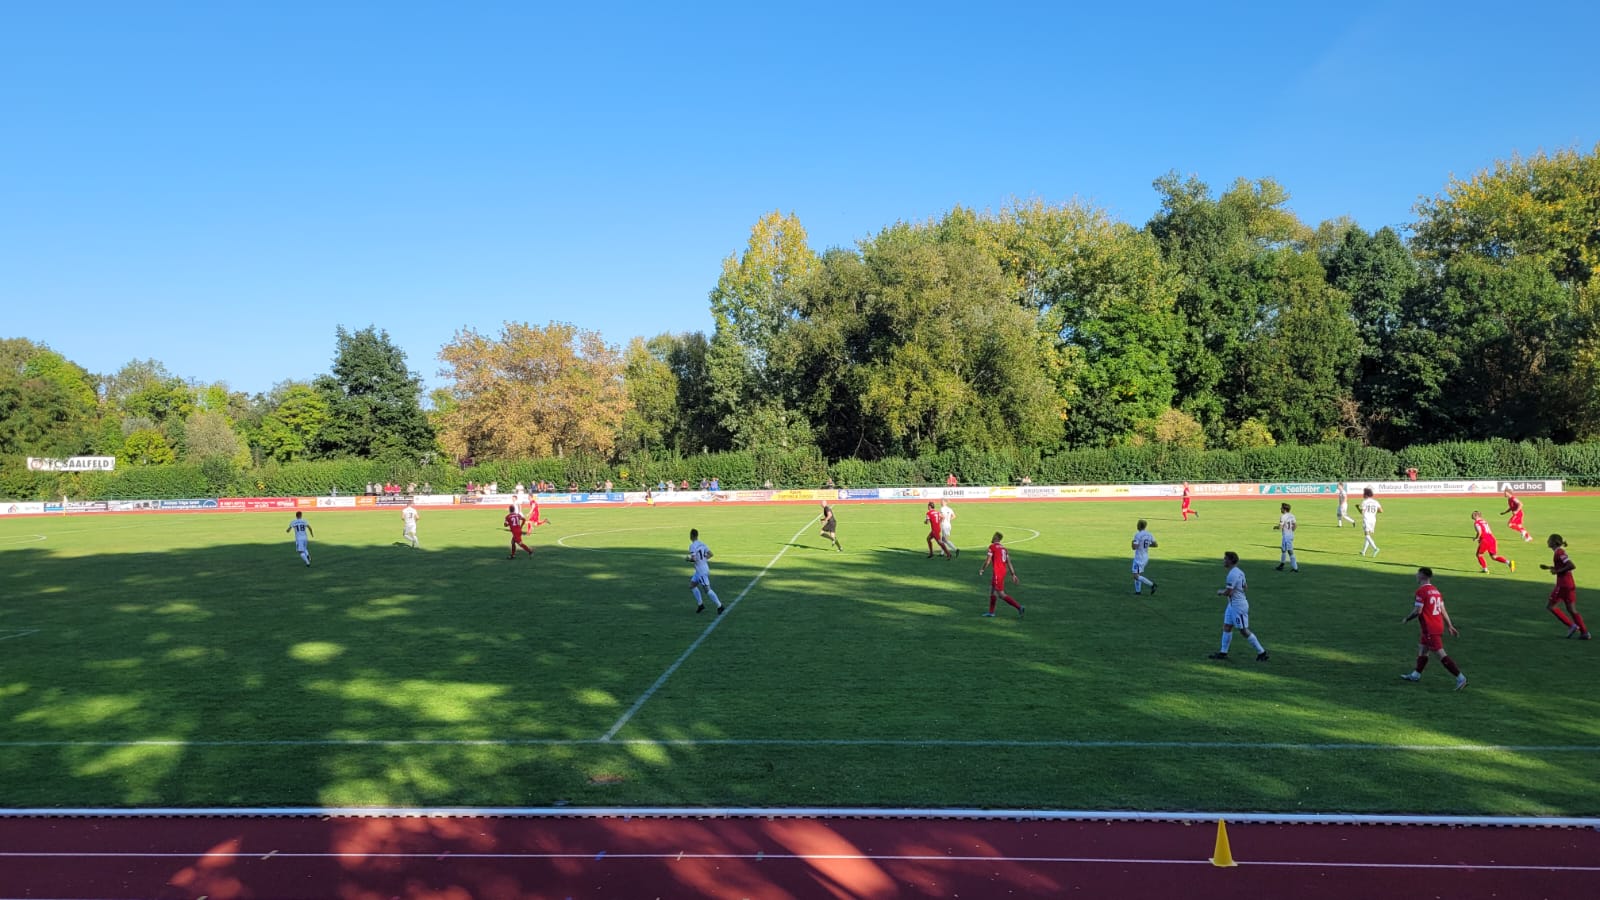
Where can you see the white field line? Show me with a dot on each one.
(761, 856)
(799, 812)
(808, 743)
(8, 633)
(715, 621)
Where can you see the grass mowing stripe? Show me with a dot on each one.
(645, 697)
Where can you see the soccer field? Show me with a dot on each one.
(192, 660)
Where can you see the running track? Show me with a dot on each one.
(496, 856)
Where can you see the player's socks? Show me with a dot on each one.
(697, 598)
(1450, 666)
(1227, 640)
(1422, 663)
(992, 599)
(714, 599)
(1563, 617)
(1007, 598)
(1255, 643)
(1578, 621)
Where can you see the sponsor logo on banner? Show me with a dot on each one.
(1095, 490)
(952, 493)
(22, 509)
(132, 505)
(616, 497)
(1523, 487)
(53, 508)
(1003, 493)
(237, 503)
(801, 495)
(1043, 490)
(87, 506)
(335, 502)
(859, 494)
(1215, 489)
(187, 504)
(392, 500)
(1426, 487)
(752, 496)
(1300, 488)
(365, 500)
(72, 464)
(904, 493)
(434, 499)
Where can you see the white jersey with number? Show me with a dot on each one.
(301, 530)
(1237, 612)
(946, 517)
(700, 555)
(1370, 508)
(1142, 542)
(409, 515)
(1286, 525)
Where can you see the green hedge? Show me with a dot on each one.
(1576, 463)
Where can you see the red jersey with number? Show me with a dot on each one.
(1564, 580)
(933, 522)
(514, 522)
(1513, 504)
(1001, 560)
(1485, 536)
(1432, 602)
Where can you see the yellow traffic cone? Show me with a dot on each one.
(1223, 855)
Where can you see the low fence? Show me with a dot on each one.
(956, 492)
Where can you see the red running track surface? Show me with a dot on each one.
(503, 857)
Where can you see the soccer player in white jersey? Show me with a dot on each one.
(1343, 515)
(1370, 507)
(302, 533)
(409, 517)
(1286, 548)
(700, 555)
(1142, 542)
(947, 517)
(1237, 614)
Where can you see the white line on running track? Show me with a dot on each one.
(715, 621)
(805, 743)
(761, 856)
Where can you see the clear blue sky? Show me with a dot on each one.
(218, 185)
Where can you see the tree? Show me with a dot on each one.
(374, 401)
(47, 403)
(291, 428)
(532, 392)
(1381, 278)
(146, 447)
(652, 389)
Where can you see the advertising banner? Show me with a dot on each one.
(21, 509)
(76, 506)
(965, 493)
(858, 494)
(187, 504)
(907, 493)
(244, 503)
(1321, 487)
(366, 500)
(1484, 486)
(434, 499)
(1216, 489)
(802, 495)
(72, 464)
(1039, 491)
(1531, 487)
(1003, 493)
(334, 502)
(133, 505)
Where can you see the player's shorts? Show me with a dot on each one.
(1516, 520)
(300, 543)
(1139, 566)
(516, 536)
(1237, 615)
(700, 580)
(1369, 525)
(1288, 542)
(1488, 547)
(410, 531)
(829, 527)
(1434, 642)
(933, 535)
(997, 583)
(1564, 593)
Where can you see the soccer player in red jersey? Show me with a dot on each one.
(1187, 512)
(1487, 545)
(533, 511)
(1001, 560)
(1566, 592)
(936, 533)
(514, 523)
(1514, 509)
(1429, 608)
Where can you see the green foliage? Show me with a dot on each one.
(374, 401)
(146, 447)
(293, 425)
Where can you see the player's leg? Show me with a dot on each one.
(1294, 564)
(694, 588)
(1577, 620)
(1000, 589)
(1255, 644)
(1227, 640)
(993, 597)
(930, 545)
(1555, 598)
(706, 582)
(1483, 564)
(1139, 580)
(1422, 663)
(1451, 667)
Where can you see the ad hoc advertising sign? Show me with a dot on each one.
(72, 464)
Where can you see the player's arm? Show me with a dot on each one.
(1448, 625)
(1415, 612)
(1562, 569)
(1013, 572)
(988, 558)
(309, 532)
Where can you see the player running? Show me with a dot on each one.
(1184, 509)
(1514, 509)
(1237, 613)
(1286, 525)
(1566, 592)
(1429, 608)
(947, 518)
(409, 531)
(1343, 515)
(936, 532)
(700, 555)
(830, 526)
(1487, 546)
(1142, 542)
(302, 534)
(1370, 507)
(514, 522)
(533, 511)
(1001, 560)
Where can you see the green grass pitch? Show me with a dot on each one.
(192, 660)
